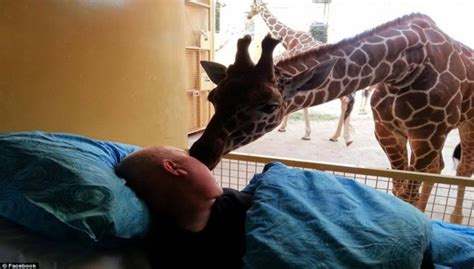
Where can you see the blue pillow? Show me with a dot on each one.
(64, 187)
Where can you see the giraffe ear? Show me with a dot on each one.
(313, 77)
(216, 71)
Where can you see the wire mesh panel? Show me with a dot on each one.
(236, 170)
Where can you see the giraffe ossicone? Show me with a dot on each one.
(423, 84)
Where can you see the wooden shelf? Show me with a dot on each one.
(195, 48)
(197, 4)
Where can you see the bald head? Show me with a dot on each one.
(168, 179)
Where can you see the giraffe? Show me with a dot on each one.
(423, 88)
(296, 42)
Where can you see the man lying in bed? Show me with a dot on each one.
(196, 222)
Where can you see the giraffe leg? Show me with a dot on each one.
(284, 124)
(347, 127)
(465, 168)
(307, 130)
(337, 134)
(426, 156)
(349, 100)
(365, 99)
(395, 148)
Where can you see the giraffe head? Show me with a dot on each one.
(249, 100)
(254, 9)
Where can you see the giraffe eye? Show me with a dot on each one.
(268, 108)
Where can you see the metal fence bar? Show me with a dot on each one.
(235, 170)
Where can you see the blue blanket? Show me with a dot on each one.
(311, 219)
(453, 245)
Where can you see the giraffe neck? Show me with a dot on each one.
(392, 53)
(277, 28)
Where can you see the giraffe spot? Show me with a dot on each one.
(437, 96)
(298, 100)
(456, 47)
(373, 39)
(337, 53)
(248, 128)
(398, 67)
(452, 84)
(426, 79)
(414, 122)
(307, 39)
(395, 45)
(439, 56)
(376, 53)
(382, 71)
(470, 66)
(358, 57)
(334, 90)
(422, 131)
(349, 88)
(419, 32)
(416, 100)
(272, 21)
(402, 111)
(437, 115)
(366, 70)
(434, 36)
(339, 70)
(261, 127)
(365, 82)
(421, 164)
(278, 27)
(307, 102)
(319, 97)
(389, 33)
(269, 127)
(411, 37)
(238, 141)
(422, 23)
(453, 109)
(347, 49)
(425, 115)
(384, 108)
(456, 67)
(292, 108)
(283, 32)
(415, 55)
(353, 70)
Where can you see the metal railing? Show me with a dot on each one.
(236, 169)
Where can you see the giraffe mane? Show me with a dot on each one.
(320, 50)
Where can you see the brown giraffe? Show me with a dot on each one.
(296, 42)
(424, 88)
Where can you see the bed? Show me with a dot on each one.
(22, 245)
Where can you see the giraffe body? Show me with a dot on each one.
(423, 84)
(296, 42)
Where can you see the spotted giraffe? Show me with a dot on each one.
(296, 42)
(423, 88)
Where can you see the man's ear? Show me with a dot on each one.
(173, 168)
(215, 71)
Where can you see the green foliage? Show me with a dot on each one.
(298, 116)
(319, 31)
(218, 16)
